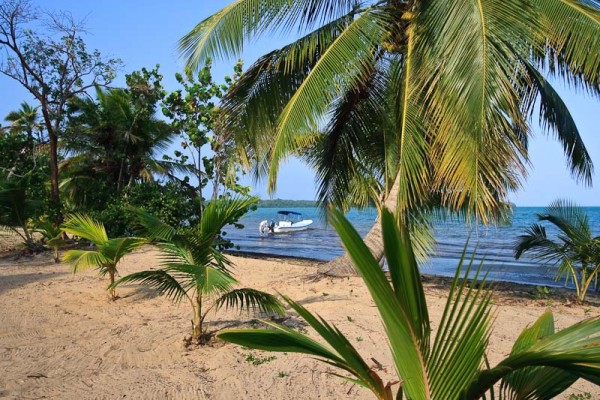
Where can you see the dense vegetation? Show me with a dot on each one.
(280, 203)
(100, 150)
(417, 107)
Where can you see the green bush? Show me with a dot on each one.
(170, 202)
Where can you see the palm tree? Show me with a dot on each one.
(543, 363)
(112, 137)
(52, 236)
(574, 250)
(194, 269)
(465, 76)
(108, 252)
(17, 209)
(25, 120)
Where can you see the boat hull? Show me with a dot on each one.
(298, 226)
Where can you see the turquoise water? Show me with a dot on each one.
(493, 244)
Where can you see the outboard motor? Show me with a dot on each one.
(263, 227)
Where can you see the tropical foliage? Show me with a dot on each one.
(194, 269)
(52, 236)
(54, 67)
(196, 117)
(17, 209)
(574, 250)
(411, 104)
(542, 364)
(107, 254)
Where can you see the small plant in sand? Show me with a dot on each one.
(194, 269)
(105, 256)
(575, 251)
(51, 237)
(543, 363)
(17, 209)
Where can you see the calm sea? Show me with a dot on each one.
(493, 244)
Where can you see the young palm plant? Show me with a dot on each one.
(542, 363)
(52, 236)
(108, 252)
(193, 267)
(17, 210)
(575, 251)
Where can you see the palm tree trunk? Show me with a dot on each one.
(197, 323)
(342, 266)
(113, 292)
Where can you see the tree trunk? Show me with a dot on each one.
(53, 142)
(342, 266)
(113, 292)
(197, 323)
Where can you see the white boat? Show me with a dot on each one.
(289, 221)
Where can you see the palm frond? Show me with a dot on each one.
(160, 280)
(405, 340)
(251, 300)
(223, 34)
(571, 40)
(575, 350)
(554, 117)
(532, 382)
(86, 228)
(82, 260)
(115, 249)
(352, 52)
(283, 339)
(461, 341)
(153, 227)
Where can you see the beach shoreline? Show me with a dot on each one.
(62, 337)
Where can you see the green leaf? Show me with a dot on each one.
(404, 341)
(251, 300)
(82, 260)
(86, 228)
(160, 280)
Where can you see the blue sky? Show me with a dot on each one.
(145, 33)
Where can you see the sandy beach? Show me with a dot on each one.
(62, 338)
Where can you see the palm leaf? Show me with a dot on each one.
(85, 227)
(352, 52)
(575, 350)
(571, 38)
(405, 341)
(160, 280)
(115, 249)
(153, 227)
(533, 382)
(283, 339)
(554, 116)
(223, 34)
(82, 260)
(251, 300)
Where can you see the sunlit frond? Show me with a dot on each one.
(86, 228)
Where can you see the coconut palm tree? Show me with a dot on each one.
(575, 251)
(108, 252)
(466, 78)
(25, 120)
(194, 269)
(114, 138)
(543, 363)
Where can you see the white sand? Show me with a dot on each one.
(62, 338)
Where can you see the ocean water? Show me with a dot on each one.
(492, 244)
